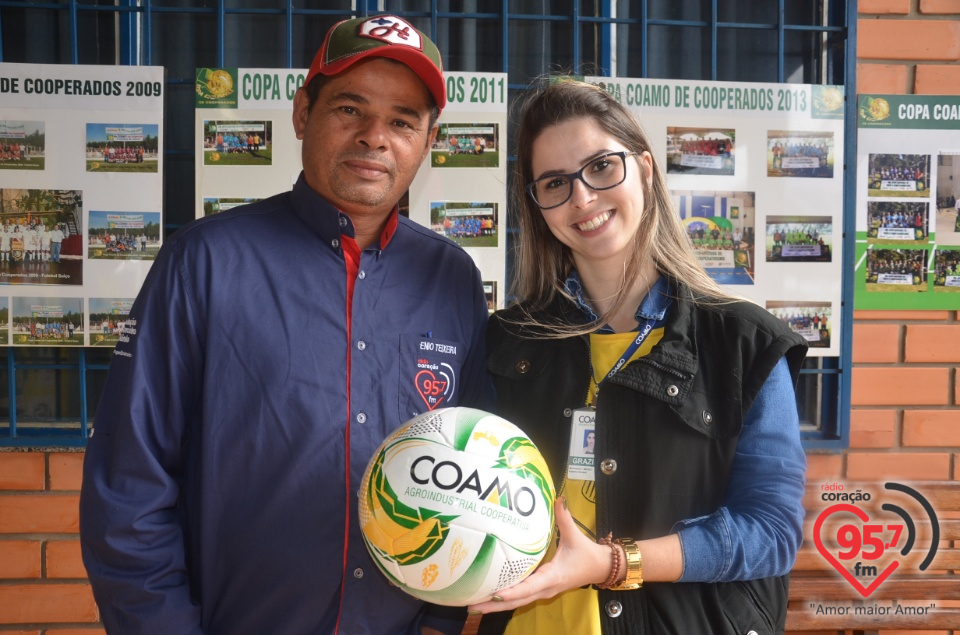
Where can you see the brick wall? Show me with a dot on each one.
(43, 586)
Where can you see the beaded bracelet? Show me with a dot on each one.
(615, 554)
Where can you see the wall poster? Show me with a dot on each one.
(756, 173)
(247, 151)
(908, 199)
(81, 197)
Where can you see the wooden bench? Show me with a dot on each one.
(815, 583)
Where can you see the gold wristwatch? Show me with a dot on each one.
(634, 579)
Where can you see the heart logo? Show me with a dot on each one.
(854, 582)
(430, 388)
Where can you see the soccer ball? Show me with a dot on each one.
(441, 159)
(456, 505)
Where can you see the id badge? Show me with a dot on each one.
(582, 439)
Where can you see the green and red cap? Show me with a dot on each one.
(350, 41)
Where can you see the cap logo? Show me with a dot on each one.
(392, 31)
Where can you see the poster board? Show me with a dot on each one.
(460, 190)
(756, 173)
(908, 188)
(81, 199)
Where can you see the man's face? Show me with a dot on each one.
(365, 136)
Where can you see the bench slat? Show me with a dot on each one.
(821, 589)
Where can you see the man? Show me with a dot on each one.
(56, 240)
(272, 348)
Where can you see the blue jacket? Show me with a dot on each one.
(238, 418)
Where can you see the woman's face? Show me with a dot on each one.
(597, 226)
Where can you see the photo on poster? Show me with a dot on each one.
(810, 320)
(796, 153)
(466, 145)
(898, 175)
(216, 205)
(41, 237)
(122, 147)
(701, 151)
(22, 145)
(896, 270)
(721, 228)
(490, 293)
(237, 142)
(4, 320)
(123, 235)
(108, 319)
(47, 321)
(897, 222)
(948, 198)
(799, 238)
(467, 224)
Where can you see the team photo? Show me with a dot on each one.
(720, 227)
(898, 175)
(44, 321)
(108, 320)
(122, 147)
(799, 238)
(238, 143)
(22, 145)
(896, 270)
(810, 320)
(793, 153)
(701, 151)
(897, 223)
(467, 224)
(123, 235)
(466, 145)
(40, 237)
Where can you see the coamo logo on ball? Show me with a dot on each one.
(455, 505)
(447, 475)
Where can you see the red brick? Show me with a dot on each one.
(21, 470)
(66, 471)
(908, 40)
(876, 343)
(938, 316)
(873, 428)
(19, 559)
(937, 79)
(900, 386)
(63, 559)
(930, 7)
(874, 466)
(932, 343)
(824, 467)
(46, 603)
(883, 79)
(931, 428)
(39, 513)
(901, 7)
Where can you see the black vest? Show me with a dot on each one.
(671, 422)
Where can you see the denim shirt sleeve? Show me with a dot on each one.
(757, 532)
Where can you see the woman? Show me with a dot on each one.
(695, 494)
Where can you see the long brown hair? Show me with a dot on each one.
(542, 262)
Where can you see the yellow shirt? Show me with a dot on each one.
(577, 611)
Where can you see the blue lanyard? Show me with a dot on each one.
(625, 357)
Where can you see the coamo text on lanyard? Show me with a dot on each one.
(580, 459)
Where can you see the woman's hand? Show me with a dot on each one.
(577, 562)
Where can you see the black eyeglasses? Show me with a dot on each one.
(603, 173)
